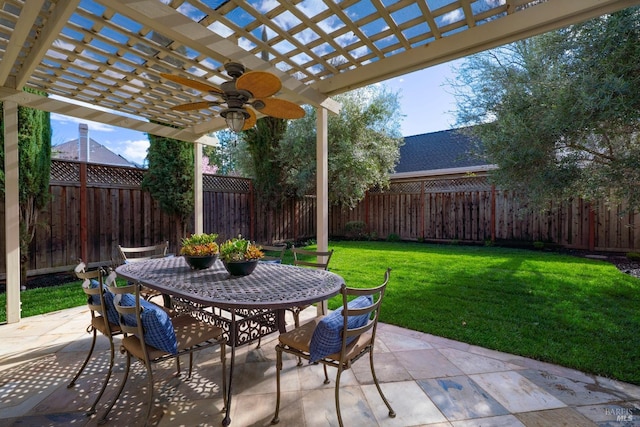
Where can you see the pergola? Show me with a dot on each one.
(109, 55)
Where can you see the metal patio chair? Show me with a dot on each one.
(338, 339)
(103, 320)
(142, 323)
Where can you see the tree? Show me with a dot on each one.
(364, 141)
(170, 177)
(262, 142)
(34, 151)
(224, 156)
(559, 113)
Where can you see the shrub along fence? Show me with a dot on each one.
(96, 207)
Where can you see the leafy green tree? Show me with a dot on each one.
(170, 177)
(560, 112)
(364, 146)
(224, 156)
(262, 142)
(34, 151)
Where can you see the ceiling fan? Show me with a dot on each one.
(241, 95)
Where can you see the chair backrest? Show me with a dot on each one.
(133, 311)
(95, 294)
(372, 312)
(273, 253)
(301, 258)
(141, 253)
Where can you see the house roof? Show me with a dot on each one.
(98, 153)
(446, 151)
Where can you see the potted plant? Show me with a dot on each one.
(240, 256)
(200, 250)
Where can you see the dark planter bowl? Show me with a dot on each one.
(200, 262)
(241, 268)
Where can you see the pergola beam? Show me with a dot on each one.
(85, 113)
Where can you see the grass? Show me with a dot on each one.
(574, 312)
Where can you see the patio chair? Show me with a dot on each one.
(143, 253)
(273, 253)
(104, 319)
(303, 257)
(338, 339)
(152, 337)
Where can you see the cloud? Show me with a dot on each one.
(93, 126)
(132, 150)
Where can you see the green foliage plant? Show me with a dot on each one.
(170, 177)
(633, 256)
(239, 249)
(355, 229)
(393, 237)
(200, 245)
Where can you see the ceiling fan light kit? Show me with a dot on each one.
(235, 118)
(244, 93)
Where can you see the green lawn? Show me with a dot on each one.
(576, 312)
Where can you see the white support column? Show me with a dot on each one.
(322, 188)
(198, 200)
(12, 210)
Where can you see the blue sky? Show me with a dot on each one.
(424, 97)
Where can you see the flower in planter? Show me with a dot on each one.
(239, 249)
(200, 245)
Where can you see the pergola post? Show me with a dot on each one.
(197, 190)
(322, 187)
(12, 210)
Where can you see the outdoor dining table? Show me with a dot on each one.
(246, 307)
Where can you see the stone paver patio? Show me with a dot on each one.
(430, 381)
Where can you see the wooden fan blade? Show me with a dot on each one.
(251, 121)
(281, 109)
(195, 106)
(260, 83)
(203, 87)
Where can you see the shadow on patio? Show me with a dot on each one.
(429, 381)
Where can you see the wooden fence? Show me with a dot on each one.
(468, 209)
(95, 207)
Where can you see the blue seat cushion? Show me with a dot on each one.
(156, 324)
(327, 337)
(112, 314)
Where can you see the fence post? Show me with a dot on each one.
(493, 213)
(252, 218)
(592, 228)
(84, 248)
(422, 209)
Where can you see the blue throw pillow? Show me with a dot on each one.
(327, 337)
(156, 323)
(112, 314)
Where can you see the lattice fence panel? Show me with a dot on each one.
(449, 185)
(226, 184)
(64, 172)
(108, 175)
